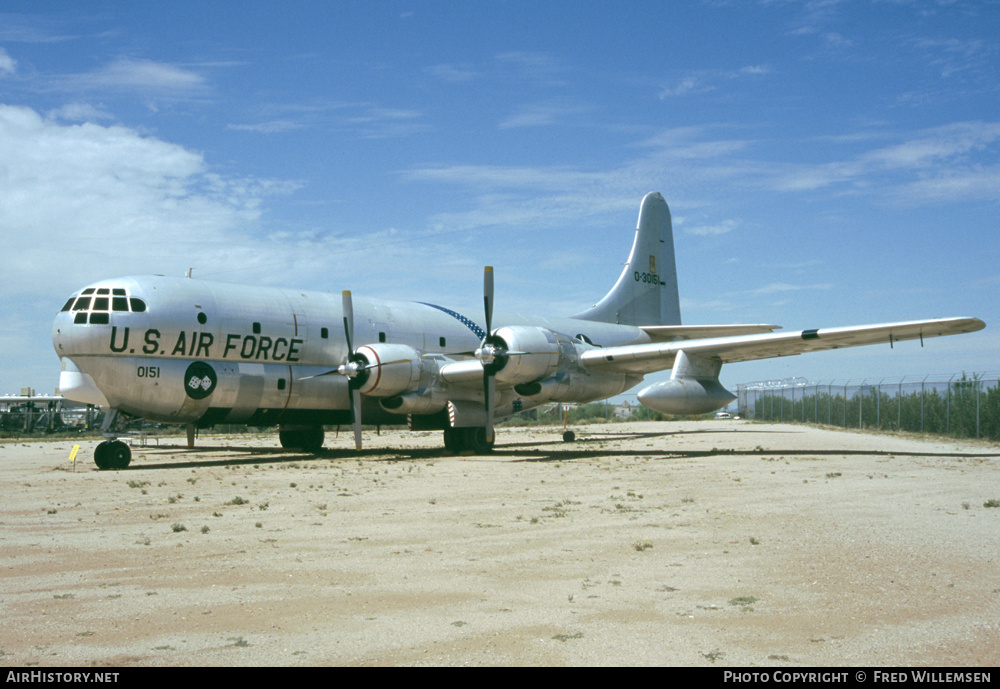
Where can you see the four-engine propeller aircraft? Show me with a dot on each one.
(187, 351)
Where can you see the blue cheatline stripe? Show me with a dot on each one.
(467, 322)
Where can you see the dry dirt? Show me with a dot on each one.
(647, 544)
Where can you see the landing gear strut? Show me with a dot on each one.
(467, 439)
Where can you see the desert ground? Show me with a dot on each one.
(682, 544)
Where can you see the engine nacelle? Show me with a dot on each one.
(426, 401)
(394, 369)
(534, 354)
(686, 396)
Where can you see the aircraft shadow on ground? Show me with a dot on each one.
(538, 450)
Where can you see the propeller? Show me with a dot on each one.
(492, 353)
(355, 368)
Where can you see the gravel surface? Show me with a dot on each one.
(692, 543)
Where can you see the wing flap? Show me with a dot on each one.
(647, 358)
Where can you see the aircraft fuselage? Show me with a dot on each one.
(190, 351)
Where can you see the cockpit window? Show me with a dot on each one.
(96, 309)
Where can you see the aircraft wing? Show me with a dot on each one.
(647, 358)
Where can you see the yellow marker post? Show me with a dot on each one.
(72, 456)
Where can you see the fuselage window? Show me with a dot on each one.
(99, 318)
(324, 333)
(101, 303)
(68, 304)
(138, 305)
(256, 328)
(82, 304)
(119, 304)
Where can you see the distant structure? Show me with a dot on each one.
(29, 412)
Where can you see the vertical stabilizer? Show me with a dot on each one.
(646, 291)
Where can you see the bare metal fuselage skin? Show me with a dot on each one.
(189, 351)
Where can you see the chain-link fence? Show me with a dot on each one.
(962, 405)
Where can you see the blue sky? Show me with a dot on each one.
(827, 163)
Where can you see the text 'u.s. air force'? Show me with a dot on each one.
(202, 345)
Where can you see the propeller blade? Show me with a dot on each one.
(489, 387)
(489, 383)
(348, 308)
(356, 417)
(488, 298)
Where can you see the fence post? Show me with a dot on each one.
(899, 407)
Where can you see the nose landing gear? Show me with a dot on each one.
(112, 453)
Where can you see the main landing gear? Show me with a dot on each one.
(468, 439)
(305, 438)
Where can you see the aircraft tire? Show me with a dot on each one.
(453, 439)
(313, 439)
(475, 440)
(305, 439)
(112, 454)
(569, 436)
(102, 456)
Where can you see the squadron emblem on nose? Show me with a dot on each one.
(199, 380)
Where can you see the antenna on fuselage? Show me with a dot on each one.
(188, 273)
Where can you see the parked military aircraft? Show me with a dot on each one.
(188, 351)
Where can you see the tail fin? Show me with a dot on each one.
(646, 291)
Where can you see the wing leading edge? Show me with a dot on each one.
(647, 358)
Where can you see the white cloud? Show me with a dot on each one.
(143, 76)
(79, 112)
(539, 115)
(704, 81)
(85, 201)
(942, 164)
(720, 228)
(270, 127)
(452, 74)
(8, 65)
(783, 287)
